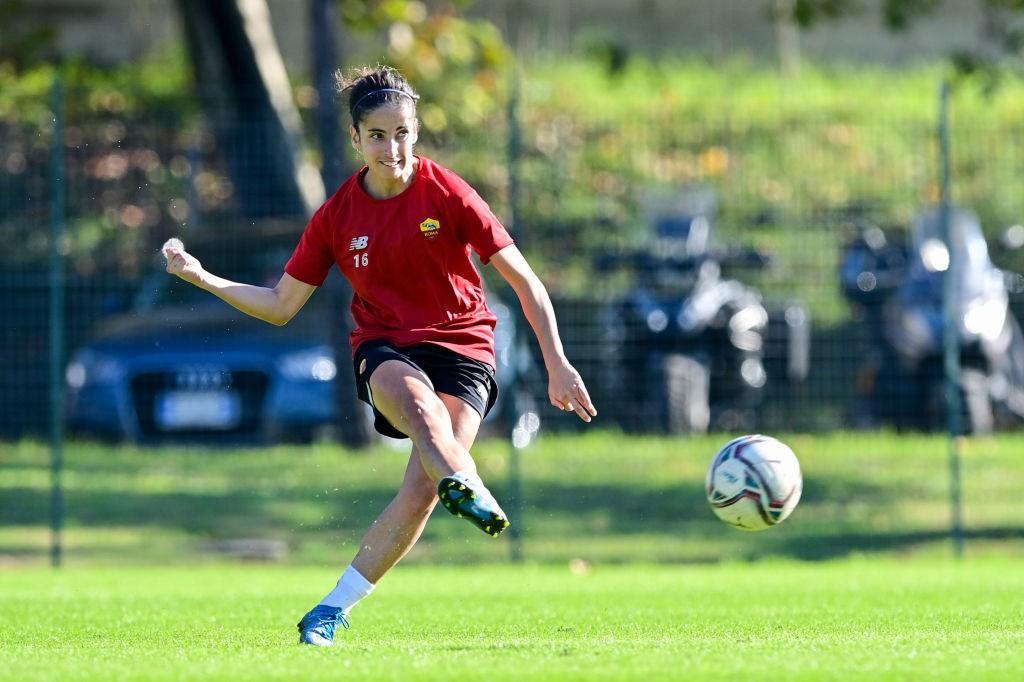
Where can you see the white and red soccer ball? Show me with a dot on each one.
(754, 482)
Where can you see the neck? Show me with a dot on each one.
(385, 188)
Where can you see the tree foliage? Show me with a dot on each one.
(897, 15)
(456, 63)
(1001, 50)
(24, 39)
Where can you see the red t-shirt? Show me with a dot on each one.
(408, 260)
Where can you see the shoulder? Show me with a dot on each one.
(346, 192)
(341, 200)
(330, 216)
(445, 180)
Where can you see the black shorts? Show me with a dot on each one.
(469, 380)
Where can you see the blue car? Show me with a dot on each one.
(200, 370)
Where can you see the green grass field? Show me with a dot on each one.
(603, 497)
(840, 620)
(627, 575)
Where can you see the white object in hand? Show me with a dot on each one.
(172, 243)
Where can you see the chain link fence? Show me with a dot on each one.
(756, 265)
(752, 266)
(767, 265)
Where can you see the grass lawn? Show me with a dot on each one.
(851, 619)
(602, 497)
(627, 574)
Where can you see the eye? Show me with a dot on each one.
(402, 135)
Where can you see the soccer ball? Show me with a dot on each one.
(754, 482)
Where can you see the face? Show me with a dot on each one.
(385, 139)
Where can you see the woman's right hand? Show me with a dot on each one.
(180, 262)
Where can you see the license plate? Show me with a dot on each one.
(213, 410)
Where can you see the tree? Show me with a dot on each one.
(1001, 47)
(456, 63)
(26, 39)
(244, 87)
(897, 15)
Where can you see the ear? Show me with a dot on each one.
(353, 136)
(415, 130)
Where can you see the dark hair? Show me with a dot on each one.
(367, 88)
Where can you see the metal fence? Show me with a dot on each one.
(761, 268)
(755, 266)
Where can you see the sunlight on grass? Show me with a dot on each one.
(601, 497)
(934, 620)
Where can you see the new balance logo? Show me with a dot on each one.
(358, 243)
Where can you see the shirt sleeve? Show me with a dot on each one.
(313, 257)
(477, 225)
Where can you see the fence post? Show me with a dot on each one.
(951, 333)
(56, 321)
(513, 410)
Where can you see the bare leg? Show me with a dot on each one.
(405, 396)
(400, 525)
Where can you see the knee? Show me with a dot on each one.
(425, 415)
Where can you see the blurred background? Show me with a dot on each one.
(737, 208)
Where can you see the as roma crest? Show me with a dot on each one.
(430, 227)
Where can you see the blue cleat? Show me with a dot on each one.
(468, 498)
(317, 626)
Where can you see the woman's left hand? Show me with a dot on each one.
(567, 392)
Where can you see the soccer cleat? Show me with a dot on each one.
(317, 626)
(470, 499)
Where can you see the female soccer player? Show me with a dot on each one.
(401, 231)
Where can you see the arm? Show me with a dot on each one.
(276, 306)
(566, 390)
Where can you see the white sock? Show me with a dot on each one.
(467, 476)
(350, 589)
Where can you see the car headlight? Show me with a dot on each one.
(316, 364)
(88, 368)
